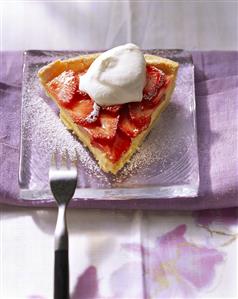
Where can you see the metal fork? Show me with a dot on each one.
(63, 180)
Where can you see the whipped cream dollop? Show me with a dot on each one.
(115, 77)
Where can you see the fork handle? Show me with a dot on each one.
(61, 267)
(61, 281)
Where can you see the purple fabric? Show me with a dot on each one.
(216, 82)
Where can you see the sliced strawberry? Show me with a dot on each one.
(152, 103)
(127, 126)
(114, 148)
(155, 80)
(139, 114)
(106, 128)
(151, 80)
(80, 111)
(112, 109)
(63, 87)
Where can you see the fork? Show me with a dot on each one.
(63, 180)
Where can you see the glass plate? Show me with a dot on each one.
(165, 166)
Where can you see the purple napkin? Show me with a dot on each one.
(216, 83)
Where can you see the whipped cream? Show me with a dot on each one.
(115, 77)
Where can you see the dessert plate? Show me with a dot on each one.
(165, 166)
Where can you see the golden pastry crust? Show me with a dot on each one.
(82, 63)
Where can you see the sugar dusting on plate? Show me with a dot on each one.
(156, 148)
(46, 133)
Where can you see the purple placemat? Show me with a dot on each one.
(216, 81)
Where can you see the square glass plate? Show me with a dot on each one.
(165, 166)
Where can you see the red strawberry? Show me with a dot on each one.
(128, 126)
(80, 111)
(106, 128)
(63, 87)
(114, 148)
(112, 109)
(155, 80)
(154, 101)
(139, 114)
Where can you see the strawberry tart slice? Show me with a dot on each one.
(110, 100)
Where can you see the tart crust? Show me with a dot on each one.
(80, 64)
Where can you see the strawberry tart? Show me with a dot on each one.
(110, 100)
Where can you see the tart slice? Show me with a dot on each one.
(114, 132)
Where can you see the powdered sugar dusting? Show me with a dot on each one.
(156, 149)
(45, 133)
(65, 85)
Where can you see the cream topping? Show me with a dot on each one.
(117, 76)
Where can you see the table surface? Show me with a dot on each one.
(121, 254)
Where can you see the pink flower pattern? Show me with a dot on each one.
(87, 285)
(175, 267)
